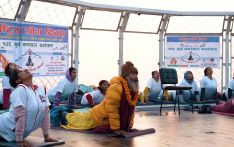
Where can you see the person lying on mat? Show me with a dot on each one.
(67, 88)
(225, 107)
(28, 110)
(208, 86)
(95, 97)
(7, 88)
(117, 108)
(188, 81)
(153, 89)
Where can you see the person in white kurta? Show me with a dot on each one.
(28, 110)
(188, 81)
(66, 88)
(208, 85)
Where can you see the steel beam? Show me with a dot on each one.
(122, 26)
(22, 10)
(162, 30)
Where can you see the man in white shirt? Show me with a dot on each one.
(153, 88)
(188, 81)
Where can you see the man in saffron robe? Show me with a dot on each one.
(116, 111)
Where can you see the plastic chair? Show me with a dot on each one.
(169, 76)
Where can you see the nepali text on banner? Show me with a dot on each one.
(42, 49)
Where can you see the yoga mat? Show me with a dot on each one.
(35, 141)
(122, 135)
(83, 131)
(136, 133)
(222, 113)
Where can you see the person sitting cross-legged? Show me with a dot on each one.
(153, 89)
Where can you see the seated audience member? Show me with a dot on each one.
(95, 97)
(188, 81)
(66, 89)
(28, 110)
(153, 89)
(208, 86)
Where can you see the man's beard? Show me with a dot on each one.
(133, 84)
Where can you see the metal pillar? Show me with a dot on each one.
(227, 30)
(76, 26)
(162, 30)
(22, 10)
(122, 26)
(120, 61)
(72, 28)
(21, 14)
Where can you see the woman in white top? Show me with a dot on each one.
(188, 81)
(66, 88)
(28, 110)
(208, 86)
(95, 97)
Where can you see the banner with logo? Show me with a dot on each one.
(192, 51)
(42, 49)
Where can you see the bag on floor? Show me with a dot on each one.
(205, 109)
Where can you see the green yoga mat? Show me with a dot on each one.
(35, 141)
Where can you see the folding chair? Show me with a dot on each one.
(169, 76)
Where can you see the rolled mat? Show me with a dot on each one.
(35, 141)
(114, 134)
(222, 113)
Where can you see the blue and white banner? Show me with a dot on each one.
(42, 49)
(192, 51)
